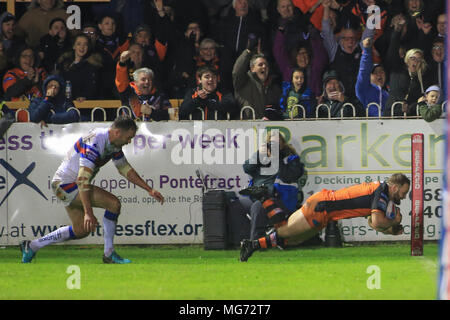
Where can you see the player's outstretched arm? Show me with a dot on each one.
(131, 175)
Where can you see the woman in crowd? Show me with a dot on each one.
(23, 82)
(80, 66)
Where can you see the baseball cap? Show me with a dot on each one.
(329, 75)
(375, 65)
(433, 88)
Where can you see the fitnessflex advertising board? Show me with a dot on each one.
(167, 154)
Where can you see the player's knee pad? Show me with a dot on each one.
(275, 213)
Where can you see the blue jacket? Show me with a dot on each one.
(365, 90)
(306, 100)
(282, 183)
(41, 108)
(287, 187)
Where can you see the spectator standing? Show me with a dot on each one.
(80, 66)
(181, 51)
(234, 30)
(441, 25)
(111, 45)
(53, 44)
(407, 76)
(141, 95)
(254, 87)
(34, 23)
(153, 49)
(208, 54)
(360, 9)
(208, 98)
(343, 52)
(436, 66)
(309, 55)
(8, 37)
(186, 11)
(292, 22)
(297, 92)
(313, 8)
(370, 84)
(90, 29)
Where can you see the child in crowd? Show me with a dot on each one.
(297, 92)
(429, 108)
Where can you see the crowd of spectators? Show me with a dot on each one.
(333, 57)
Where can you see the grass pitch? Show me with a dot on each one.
(190, 272)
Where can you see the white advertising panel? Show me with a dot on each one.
(167, 154)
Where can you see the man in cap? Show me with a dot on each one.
(335, 98)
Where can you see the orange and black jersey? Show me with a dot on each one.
(18, 87)
(214, 102)
(130, 96)
(355, 201)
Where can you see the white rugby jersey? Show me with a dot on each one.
(93, 151)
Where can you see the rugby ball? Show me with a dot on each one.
(391, 210)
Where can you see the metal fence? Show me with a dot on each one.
(297, 107)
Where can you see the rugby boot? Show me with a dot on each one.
(247, 249)
(27, 253)
(115, 258)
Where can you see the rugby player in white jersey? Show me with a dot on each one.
(72, 185)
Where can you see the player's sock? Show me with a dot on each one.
(109, 229)
(62, 234)
(271, 240)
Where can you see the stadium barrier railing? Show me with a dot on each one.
(371, 105)
(93, 113)
(22, 114)
(249, 108)
(296, 107)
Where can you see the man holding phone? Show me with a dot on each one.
(335, 99)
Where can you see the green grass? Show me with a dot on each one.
(189, 272)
